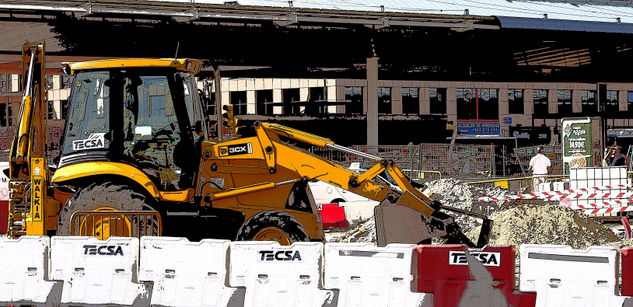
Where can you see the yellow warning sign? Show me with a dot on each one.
(37, 192)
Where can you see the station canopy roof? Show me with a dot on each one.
(614, 11)
(608, 16)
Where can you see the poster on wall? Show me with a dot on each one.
(576, 143)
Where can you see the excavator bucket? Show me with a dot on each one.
(400, 224)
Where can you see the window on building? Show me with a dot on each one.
(540, 101)
(10, 115)
(488, 104)
(564, 102)
(209, 104)
(51, 110)
(437, 100)
(264, 102)
(629, 101)
(410, 100)
(353, 100)
(316, 102)
(477, 104)
(466, 104)
(384, 100)
(238, 100)
(292, 104)
(3, 115)
(588, 100)
(611, 105)
(515, 101)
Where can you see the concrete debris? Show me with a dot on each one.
(364, 231)
(546, 224)
(458, 194)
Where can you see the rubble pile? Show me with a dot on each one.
(545, 224)
(364, 232)
(458, 194)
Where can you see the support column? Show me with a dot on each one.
(372, 103)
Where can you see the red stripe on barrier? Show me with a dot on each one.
(627, 271)
(443, 271)
(4, 216)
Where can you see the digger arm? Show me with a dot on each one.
(27, 162)
(430, 223)
(315, 167)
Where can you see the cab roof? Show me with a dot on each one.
(188, 65)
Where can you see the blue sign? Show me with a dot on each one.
(507, 120)
(478, 128)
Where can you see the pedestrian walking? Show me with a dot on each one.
(540, 166)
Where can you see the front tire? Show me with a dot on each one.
(106, 196)
(272, 226)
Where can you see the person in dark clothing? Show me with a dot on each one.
(619, 159)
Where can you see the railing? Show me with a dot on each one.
(105, 224)
(517, 185)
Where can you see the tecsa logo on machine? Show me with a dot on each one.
(95, 140)
(290, 255)
(487, 258)
(238, 149)
(106, 250)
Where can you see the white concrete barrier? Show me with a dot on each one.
(276, 275)
(24, 264)
(562, 276)
(187, 273)
(98, 272)
(358, 210)
(366, 275)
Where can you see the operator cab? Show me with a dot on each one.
(146, 113)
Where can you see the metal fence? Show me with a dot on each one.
(554, 153)
(426, 161)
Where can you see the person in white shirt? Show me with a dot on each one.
(540, 166)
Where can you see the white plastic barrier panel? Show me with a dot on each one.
(358, 210)
(562, 276)
(276, 275)
(24, 266)
(367, 275)
(187, 273)
(98, 272)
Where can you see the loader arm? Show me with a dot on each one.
(28, 167)
(312, 167)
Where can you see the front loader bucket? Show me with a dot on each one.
(400, 224)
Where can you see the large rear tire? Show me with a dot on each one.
(272, 226)
(107, 196)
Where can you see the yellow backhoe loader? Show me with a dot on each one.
(136, 160)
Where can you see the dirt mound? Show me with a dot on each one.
(546, 224)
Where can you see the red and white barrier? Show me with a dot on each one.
(455, 280)
(557, 195)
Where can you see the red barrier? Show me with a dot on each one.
(333, 216)
(444, 271)
(627, 271)
(4, 216)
